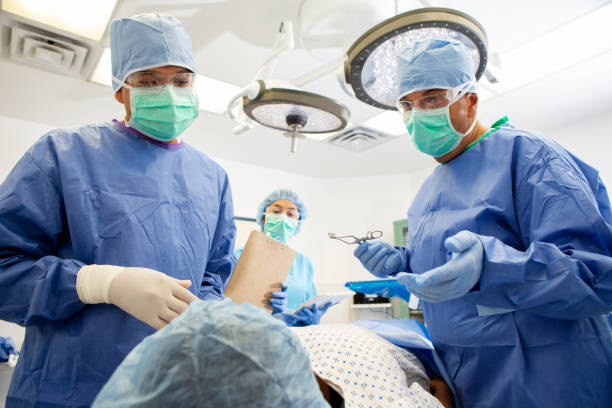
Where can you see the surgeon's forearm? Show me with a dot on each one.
(35, 290)
(545, 280)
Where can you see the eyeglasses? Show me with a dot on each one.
(351, 239)
(430, 101)
(290, 213)
(145, 79)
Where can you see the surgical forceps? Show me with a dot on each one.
(351, 239)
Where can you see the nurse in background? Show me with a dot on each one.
(280, 215)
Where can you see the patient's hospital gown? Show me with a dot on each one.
(365, 369)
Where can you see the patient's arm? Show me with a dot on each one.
(442, 392)
(335, 400)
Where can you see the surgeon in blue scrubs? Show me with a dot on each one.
(280, 215)
(109, 231)
(510, 247)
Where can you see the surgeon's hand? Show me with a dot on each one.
(311, 315)
(380, 258)
(453, 279)
(149, 295)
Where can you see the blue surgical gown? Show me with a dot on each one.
(544, 219)
(100, 194)
(300, 281)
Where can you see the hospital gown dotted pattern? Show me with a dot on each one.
(369, 371)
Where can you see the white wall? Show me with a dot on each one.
(339, 205)
(591, 141)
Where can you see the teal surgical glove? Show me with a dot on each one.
(311, 315)
(380, 258)
(453, 279)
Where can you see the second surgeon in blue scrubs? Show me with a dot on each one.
(510, 247)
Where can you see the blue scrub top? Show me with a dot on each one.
(543, 217)
(300, 281)
(101, 194)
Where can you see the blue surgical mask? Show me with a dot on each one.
(280, 227)
(432, 132)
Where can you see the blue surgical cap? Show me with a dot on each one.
(282, 194)
(216, 354)
(433, 64)
(148, 41)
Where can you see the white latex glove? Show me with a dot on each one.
(149, 295)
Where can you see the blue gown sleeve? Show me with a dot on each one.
(221, 260)
(566, 270)
(405, 253)
(35, 285)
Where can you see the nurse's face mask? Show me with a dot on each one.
(281, 221)
(162, 106)
(427, 119)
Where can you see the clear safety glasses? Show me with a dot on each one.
(432, 98)
(351, 239)
(146, 79)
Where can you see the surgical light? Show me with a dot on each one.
(370, 65)
(295, 111)
(88, 19)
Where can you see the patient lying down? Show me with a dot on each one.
(363, 369)
(219, 354)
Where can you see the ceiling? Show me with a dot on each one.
(232, 38)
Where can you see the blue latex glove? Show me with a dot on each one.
(279, 307)
(279, 300)
(453, 279)
(380, 258)
(311, 315)
(7, 347)
(289, 318)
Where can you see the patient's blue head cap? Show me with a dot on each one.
(148, 41)
(282, 194)
(433, 64)
(216, 354)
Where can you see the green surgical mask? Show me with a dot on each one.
(163, 112)
(432, 132)
(280, 227)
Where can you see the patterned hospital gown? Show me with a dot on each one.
(368, 371)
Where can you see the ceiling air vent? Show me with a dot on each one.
(46, 51)
(359, 139)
